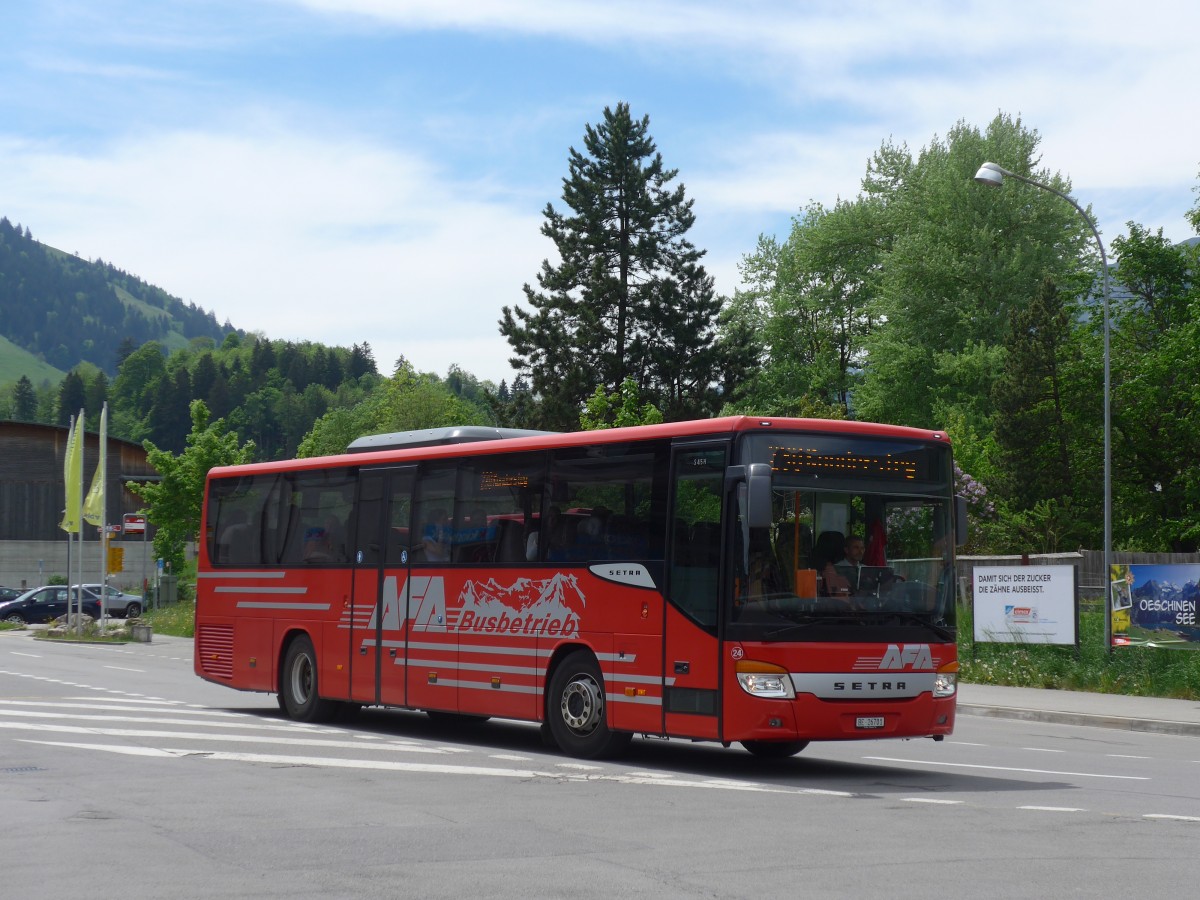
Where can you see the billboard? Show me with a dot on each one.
(1155, 605)
(1026, 605)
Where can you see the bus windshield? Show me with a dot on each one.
(861, 535)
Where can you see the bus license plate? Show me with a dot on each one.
(868, 722)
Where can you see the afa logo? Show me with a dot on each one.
(528, 606)
(907, 656)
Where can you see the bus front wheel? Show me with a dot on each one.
(298, 687)
(774, 749)
(577, 711)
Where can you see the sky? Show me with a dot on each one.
(350, 171)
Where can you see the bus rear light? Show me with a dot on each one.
(760, 679)
(432, 679)
(496, 683)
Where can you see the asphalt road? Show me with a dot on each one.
(123, 775)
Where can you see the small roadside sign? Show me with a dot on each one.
(134, 524)
(114, 529)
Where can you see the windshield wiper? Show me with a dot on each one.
(920, 619)
(810, 622)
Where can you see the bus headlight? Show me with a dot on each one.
(761, 679)
(945, 684)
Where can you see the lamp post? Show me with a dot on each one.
(991, 174)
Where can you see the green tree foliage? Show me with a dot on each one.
(270, 391)
(1156, 393)
(408, 401)
(932, 301)
(629, 296)
(810, 302)
(1043, 398)
(957, 259)
(174, 504)
(618, 410)
(1031, 422)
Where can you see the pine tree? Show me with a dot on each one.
(629, 297)
(362, 361)
(24, 400)
(72, 396)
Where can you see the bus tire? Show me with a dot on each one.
(774, 749)
(577, 712)
(298, 688)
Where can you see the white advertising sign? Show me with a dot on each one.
(1025, 604)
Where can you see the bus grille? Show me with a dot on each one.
(215, 648)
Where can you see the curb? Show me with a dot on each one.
(1059, 717)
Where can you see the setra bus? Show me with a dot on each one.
(686, 580)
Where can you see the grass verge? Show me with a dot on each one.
(177, 620)
(1134, 671)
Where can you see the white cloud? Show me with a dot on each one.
(338, 241)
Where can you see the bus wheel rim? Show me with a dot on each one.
(582, 706)
(302, 679)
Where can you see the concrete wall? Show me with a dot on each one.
(19, 563)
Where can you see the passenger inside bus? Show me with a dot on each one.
(827, 553)
(863, 579)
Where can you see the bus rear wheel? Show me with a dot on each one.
(774, 749)
(577, 712)
(298, 688)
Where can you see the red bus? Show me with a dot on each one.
(687, 580)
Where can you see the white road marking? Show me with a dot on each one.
(932, 800)
(511, 757)
(123, 669)
(100, 707)
(143, 700)
(1172, 818)
(940, 764)
(1053, 808)
(1042, 750)
(224, 738)
(30, 655)
(1126, 756)
(821, 793)
(416, 768)
(247, 722)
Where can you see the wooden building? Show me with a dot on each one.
(32, 491)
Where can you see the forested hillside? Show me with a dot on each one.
(65, 311)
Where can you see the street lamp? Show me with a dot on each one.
(991, 174)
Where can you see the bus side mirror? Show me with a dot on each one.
(758, 495)
(960, 521)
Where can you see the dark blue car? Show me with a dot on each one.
(45, 604)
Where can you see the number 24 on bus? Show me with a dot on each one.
(763, 581)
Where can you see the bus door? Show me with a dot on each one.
(692, 662)
(378, 616)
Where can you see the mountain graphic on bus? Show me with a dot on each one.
(527, 606)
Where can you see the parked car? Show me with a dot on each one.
(116, 602)
(45, 604)
(10, 593)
